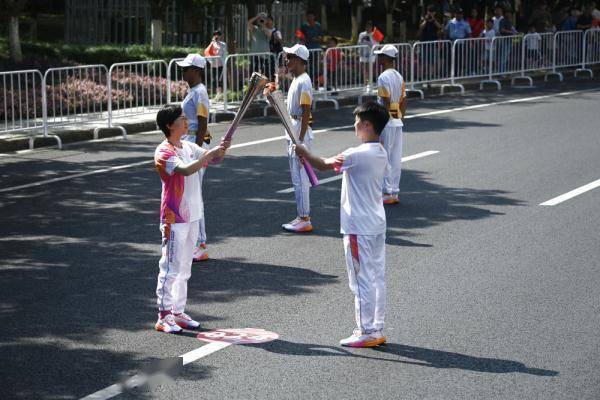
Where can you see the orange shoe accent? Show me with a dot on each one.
(371, 343)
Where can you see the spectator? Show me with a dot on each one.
(488, 34)
(333, 57)
(457, 27)
(215, 54)
(570, 23)
(366, 58)
(258, 36)
(533, 42)
(506, 25)
(430, 27)
(498, 17)
(541, 18)
(313, 36)
(429, 30)
(585, 20)
(275, 42)
(312, 31)
(476, 23)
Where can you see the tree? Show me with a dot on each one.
(390, 5)
(14, 9)
(157, 10)
(356, 9)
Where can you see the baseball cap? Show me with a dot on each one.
(389, 50)
(298, 50)
(193, 60)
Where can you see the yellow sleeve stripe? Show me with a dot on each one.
(202, 110)
(403, 95)
(305, 99)
(383, 92)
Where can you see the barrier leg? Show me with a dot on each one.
(524, 77)
(56, 137)
(587, 70)
(98, 129)
(449, 85)
(492, 81)
(559, 75)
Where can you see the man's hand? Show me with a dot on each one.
(300, 150)
(269, 88)
(225, 143)
(216, 152)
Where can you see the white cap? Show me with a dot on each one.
(193, 60)
(298, 50)
(389, 50)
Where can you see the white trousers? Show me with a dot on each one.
(391, 138)
(300, 179)
(201, 223)
(175, 265)
(365, 261)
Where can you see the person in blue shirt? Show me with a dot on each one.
(458, 27)
(312, 31)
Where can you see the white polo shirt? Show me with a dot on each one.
(299, 94)
(361, 203)
(390, 84)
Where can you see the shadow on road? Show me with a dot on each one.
(407, 355)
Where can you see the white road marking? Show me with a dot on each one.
(572, 193)
(438, 112)
(140, 379)
(338, 177)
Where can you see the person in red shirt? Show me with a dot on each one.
(476, 23)
(334, 57)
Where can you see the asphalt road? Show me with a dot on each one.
(490, 294)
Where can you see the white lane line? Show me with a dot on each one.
(450, 110)
(203, 351)
(572, 193)
(140, 379)
(68, 177)
(338, 177)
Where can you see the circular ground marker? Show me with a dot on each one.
(238, 336)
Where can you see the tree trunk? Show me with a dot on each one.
(324, 17)
(15, 42)
(355, 19)
(251, 7)
(156, 35)
(389, 23)
(229, 32)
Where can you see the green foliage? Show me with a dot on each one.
(44, 54)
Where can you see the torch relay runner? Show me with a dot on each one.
(178, 162)
(196, 106)
(299, 101)
(362, 220)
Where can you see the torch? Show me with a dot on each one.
(277, 102)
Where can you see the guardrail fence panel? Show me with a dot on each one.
(21, 105)
(431, 62)
(239, 69)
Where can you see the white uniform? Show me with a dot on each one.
(180, 209)
(391, 85)
(196, 103)
(363, 224)
(299, 94)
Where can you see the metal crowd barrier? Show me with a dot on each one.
(402, 64)
(568, 52)
(135, 88)
(90, 93)
(352, 69)
(75, 95)
(213, 81)
(431, 62)
(469, 60)
(23, 104)
(239, 68)
(504, 58)
(536, 54)
(591, 49)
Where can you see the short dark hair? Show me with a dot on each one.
(270, 17)
(167, 116)
(431, 8)
(375, 113)
(334, 39)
